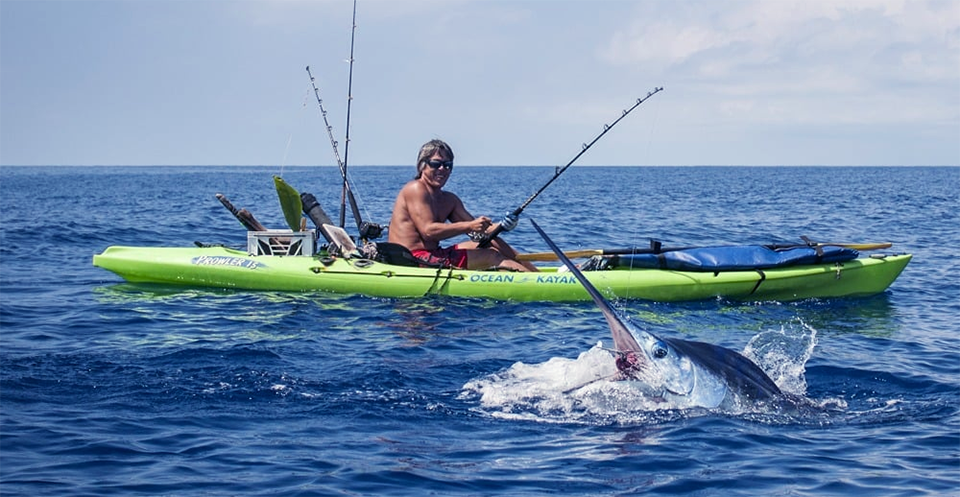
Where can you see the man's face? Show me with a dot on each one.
(437, 169)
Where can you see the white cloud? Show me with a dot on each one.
(847, 62)
(744, 33)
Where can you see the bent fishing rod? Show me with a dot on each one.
(487, 238)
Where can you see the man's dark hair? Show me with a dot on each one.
(427, 151)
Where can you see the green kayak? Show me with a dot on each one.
(220, 267)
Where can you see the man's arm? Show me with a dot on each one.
(430, 220)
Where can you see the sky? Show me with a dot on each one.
(505, 82)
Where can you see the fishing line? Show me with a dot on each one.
(653, 125)
(297, 124)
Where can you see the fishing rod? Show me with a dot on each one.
(346, 145)
(367, 230)
(336, 152)
(487, 238)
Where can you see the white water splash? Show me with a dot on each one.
(563, 390)
(583, 390)
(783, 354)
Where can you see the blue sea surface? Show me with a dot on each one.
(112, 388)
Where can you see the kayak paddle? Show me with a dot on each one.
(289, 202)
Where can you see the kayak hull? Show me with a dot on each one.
(220, 267)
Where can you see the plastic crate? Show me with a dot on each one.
(281, 242)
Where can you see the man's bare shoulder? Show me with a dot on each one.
(410, 185)
(416, 189)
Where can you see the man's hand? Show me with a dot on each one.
(480, 225)
(509, 222)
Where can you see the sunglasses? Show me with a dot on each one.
(437, 164)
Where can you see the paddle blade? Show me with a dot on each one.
(289, 202)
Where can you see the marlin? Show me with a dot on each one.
(680, 372)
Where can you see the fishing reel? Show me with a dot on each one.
(370, 231)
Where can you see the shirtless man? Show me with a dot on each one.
(422, 211)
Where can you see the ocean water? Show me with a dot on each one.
(109, 388)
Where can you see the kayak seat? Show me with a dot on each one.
(395, 254)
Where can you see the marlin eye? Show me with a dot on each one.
(660, 353)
